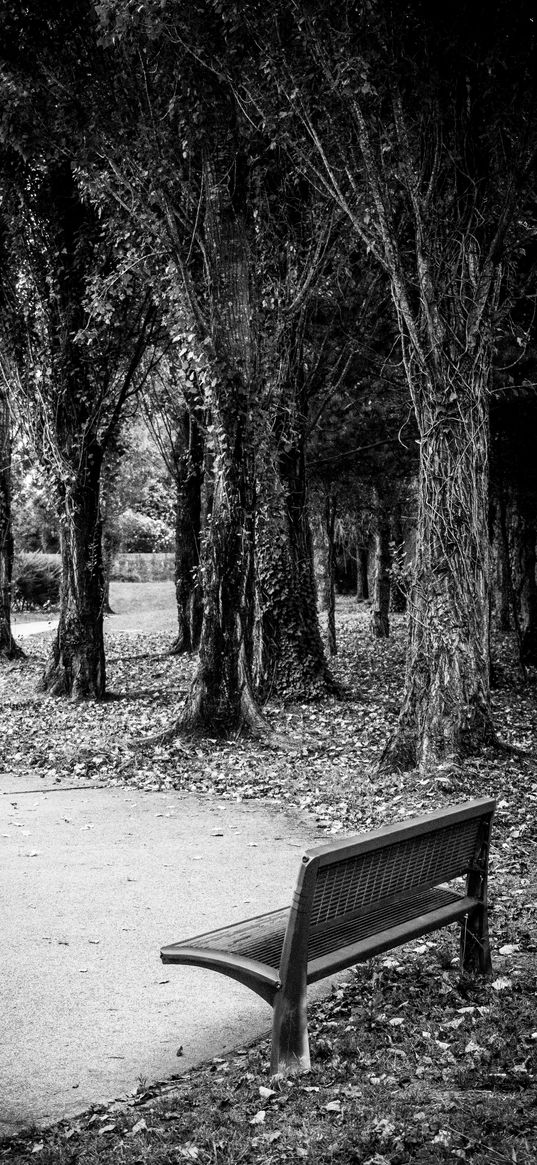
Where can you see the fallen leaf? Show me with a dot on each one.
(501, 984)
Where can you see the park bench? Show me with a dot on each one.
(355, 898)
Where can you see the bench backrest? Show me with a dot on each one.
(415, 855)
(349, 876)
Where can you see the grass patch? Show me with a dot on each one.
(411, 1061)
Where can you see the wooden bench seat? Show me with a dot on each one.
(355, 898)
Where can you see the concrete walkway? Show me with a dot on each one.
(92, 883)
(36, 627)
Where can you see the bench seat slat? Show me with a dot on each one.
(352, 928)
(393, 931)
(260, 978)
(260, 938)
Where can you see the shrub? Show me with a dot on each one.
(36, 581)
(142, 534)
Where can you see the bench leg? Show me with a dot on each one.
(475, 946)
(290, 1044)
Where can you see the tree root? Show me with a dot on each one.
(53, 682)
(11, 651)
(198, 719)
(257, 723)
(179, 646)
(399, 754)
(512, 749)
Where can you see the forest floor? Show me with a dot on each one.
(411, 1061)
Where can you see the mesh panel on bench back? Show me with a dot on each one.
(346, 886)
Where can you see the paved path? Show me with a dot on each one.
(37, 627)
(92, 883)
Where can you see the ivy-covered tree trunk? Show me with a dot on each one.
(221, 697)
(290, 658)
(188, 465)
(8, 648)
(77, 664)
(446, 705)
(380, 607)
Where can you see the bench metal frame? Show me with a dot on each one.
(353, 899)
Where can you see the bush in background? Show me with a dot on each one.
(36, 581)
(141, 534)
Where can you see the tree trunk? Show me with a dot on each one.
(380, 607)
(110, 543)
(521, 532)
(446, 704)
(77, 665)
(362, 584)
(506, 512)
(221, 697)
(188, 480)
(330, 575)
(8, 648)
(398, 556)
(290, 659)
(500, 584)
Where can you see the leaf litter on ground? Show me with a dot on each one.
(411, 1061)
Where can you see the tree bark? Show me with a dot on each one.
(380, 607)
(110, 547)
(398, 558)
(362, 584)
(221, 698)
(446, 705)
(330, 574)
(521, 535)
(500, 583)
(290, 658)
(8, 648)
(188, 464)
(77, 664)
